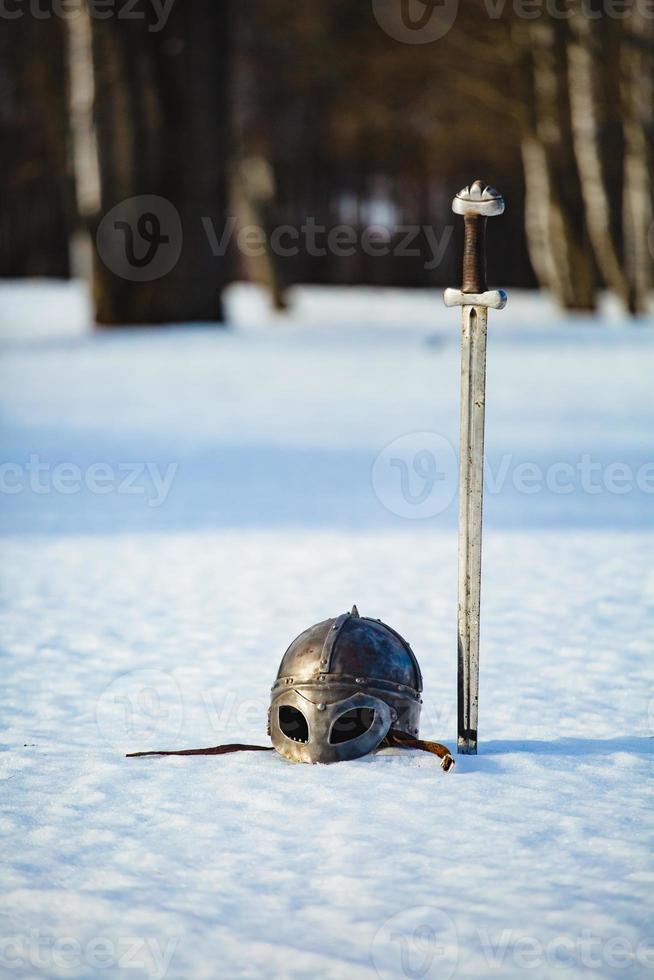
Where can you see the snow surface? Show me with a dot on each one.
(154, 615)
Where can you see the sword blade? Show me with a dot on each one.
(471, 488)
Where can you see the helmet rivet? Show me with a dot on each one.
(361, 680)
(321, 707)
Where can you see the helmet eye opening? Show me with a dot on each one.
(292, 723)
(350, 725)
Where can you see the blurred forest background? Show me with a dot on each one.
(270, 112)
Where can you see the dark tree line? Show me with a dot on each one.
(270, 112)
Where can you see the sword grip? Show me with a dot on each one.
(474, 254)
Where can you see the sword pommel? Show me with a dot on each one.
(476, 203)
(478, 199)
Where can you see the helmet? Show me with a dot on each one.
(344, 687)
(341, 686)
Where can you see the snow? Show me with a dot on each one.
(265, 464)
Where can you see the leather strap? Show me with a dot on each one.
(394, 738)
(216, 750)
(403, 741)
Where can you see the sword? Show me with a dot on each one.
(475, 203)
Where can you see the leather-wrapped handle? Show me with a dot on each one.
(474, 254)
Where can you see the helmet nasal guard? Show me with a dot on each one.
(341, 686)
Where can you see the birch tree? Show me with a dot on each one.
(637, 87)
(554, 212)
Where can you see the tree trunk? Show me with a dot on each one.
(638, 106)
(253, 177)
(556, 231)
(36, 200)
(593, 57)
(161, 115)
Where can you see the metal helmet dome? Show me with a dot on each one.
(342, 685)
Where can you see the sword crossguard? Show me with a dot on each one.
(494, 299)
(476, 203)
